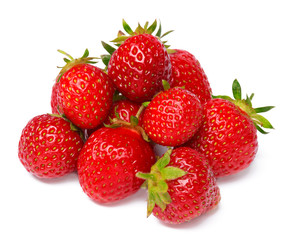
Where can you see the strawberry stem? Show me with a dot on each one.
(156, 182)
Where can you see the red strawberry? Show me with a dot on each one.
(48, 148)
(228, 135)
(123, 109)
(181, 186)
(139, 65)
(109, 161)
(187, 72)
(85, 95)
(172, 117)
(53, 101)
(84, 92)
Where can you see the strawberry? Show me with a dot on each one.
(85, 93)
(228, 135)
(48, 147)
(172, 117)
(53, 101)
(109, 161)
(138, 66)
(187, 72)
(123, 109)
(181, 186)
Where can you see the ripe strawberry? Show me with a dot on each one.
(85, 94)
(138, 66)
(228, 135)
(181, 186)
(123, 109)
(109, 161)
(53, 101)
(48, 147)
(187, 72)
(172, 117)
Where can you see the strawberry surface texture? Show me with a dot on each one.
(86, 95)
(109, 161)
(147, 119)
(138, 67)
(188, 73)
(48, 148)
(172, 117)
(227, 137)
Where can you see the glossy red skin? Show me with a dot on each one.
(187, 72)
(85, 95)
(109, 161)
(125, 109)
(193, 194)
(48, 148)
(227, 137)
(138, 67)
(172, 117)
(53, 101)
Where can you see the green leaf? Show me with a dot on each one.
(108, 48)
(91, 62)
(66, 60)
(165, 197)
(127, 28)
(86, 54)
(166, 85)
(158, 34)
(134, 120)
(66, 54)
(106, 59)
(159, 202)
(170, 173)
(263, 109)
(146, 25)
(145, 176)
(152, 28)
(251, 97)
(260, 129)
(222, 97)
(259, 119)
(170, 51)
(150, 203)
(111, 125)
(144, 184)
(120, 39)
(248, 101)
(164, 160)
(74, 127)
(161, 187)
(237, 91)
(166, 33)
(145, 104)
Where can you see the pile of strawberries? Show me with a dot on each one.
(106, 124)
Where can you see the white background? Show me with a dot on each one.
(247, 40)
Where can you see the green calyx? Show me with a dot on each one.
(156, 182)
(259, 121)
(133, 124)
(70, 61)
(121, 37)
